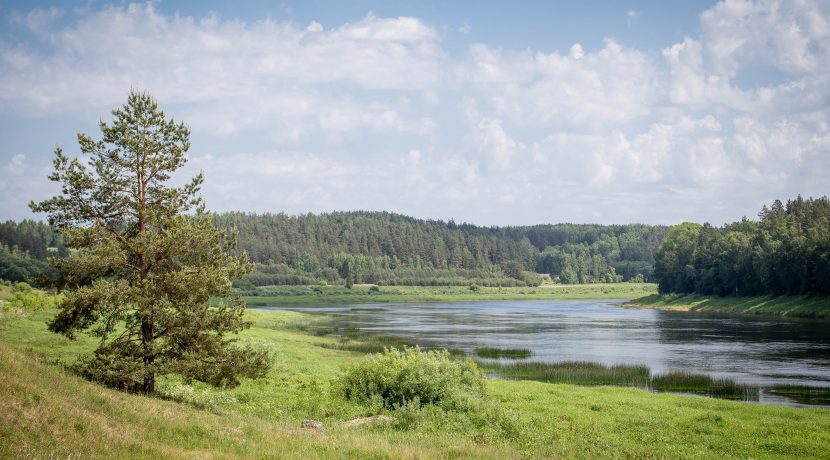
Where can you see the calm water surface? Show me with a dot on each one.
(757, 351)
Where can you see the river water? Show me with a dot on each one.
(751, 350)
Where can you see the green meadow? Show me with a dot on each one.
(46, 412)
(317, 295)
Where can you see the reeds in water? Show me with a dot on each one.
(687, 382)
(803, 394)
(503, 353)
(576, 372)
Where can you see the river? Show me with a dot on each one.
(759, 351)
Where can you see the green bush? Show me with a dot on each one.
(26, 299)
(397, 378)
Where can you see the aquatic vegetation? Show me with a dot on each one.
(687, 382)
(503, 353)
(803, 394)
(575, 372)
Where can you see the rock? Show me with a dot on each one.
(370, 420)
(312, 424)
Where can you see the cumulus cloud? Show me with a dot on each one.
(239, 74)
(793, 36)
(611, 86)
(379, 113)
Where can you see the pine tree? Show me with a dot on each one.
(147, 259)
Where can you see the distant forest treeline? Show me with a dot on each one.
(24, 247)
(787, 251)
(388, 248)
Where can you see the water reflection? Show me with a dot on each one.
(756, 351)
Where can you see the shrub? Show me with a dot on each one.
(397, 378)
(26, 299)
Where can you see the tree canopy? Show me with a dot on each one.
(145, 259)
(787, 251)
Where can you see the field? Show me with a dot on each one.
(46, 412)
(787, 306)
(313, 295)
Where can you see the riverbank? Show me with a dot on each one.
(328, 295)
(47, 412)
(783, 306)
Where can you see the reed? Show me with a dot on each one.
(575, 372)
(503, 353)
(702, 384)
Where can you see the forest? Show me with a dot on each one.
(786, 251)
(392, 249)
(24, 247)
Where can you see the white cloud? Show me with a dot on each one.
(793, 36)
(492, 139)
(613, 85)
(265, 73)
(16, 165)
(381, 114)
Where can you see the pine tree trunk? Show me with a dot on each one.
(149, 384)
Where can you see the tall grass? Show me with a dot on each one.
(575, 372)
(503, 353)
(687, 382)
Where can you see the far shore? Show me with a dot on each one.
(791, 306)
(365, 293)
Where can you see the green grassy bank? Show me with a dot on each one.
(316, 295)
(46, 412)
(787, 306)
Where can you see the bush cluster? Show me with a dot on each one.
(396, 378)
(24, 299)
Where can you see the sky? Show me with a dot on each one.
(492, 113)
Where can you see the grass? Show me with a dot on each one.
(575, 373)
(47, 413)
(802, 306)
(687, 382)
(503, 353)
(328, 295)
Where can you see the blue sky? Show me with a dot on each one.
(486, 112)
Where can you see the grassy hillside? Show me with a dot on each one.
(802, 306)
(45, 413)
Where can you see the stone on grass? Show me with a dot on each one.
(312, 424)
